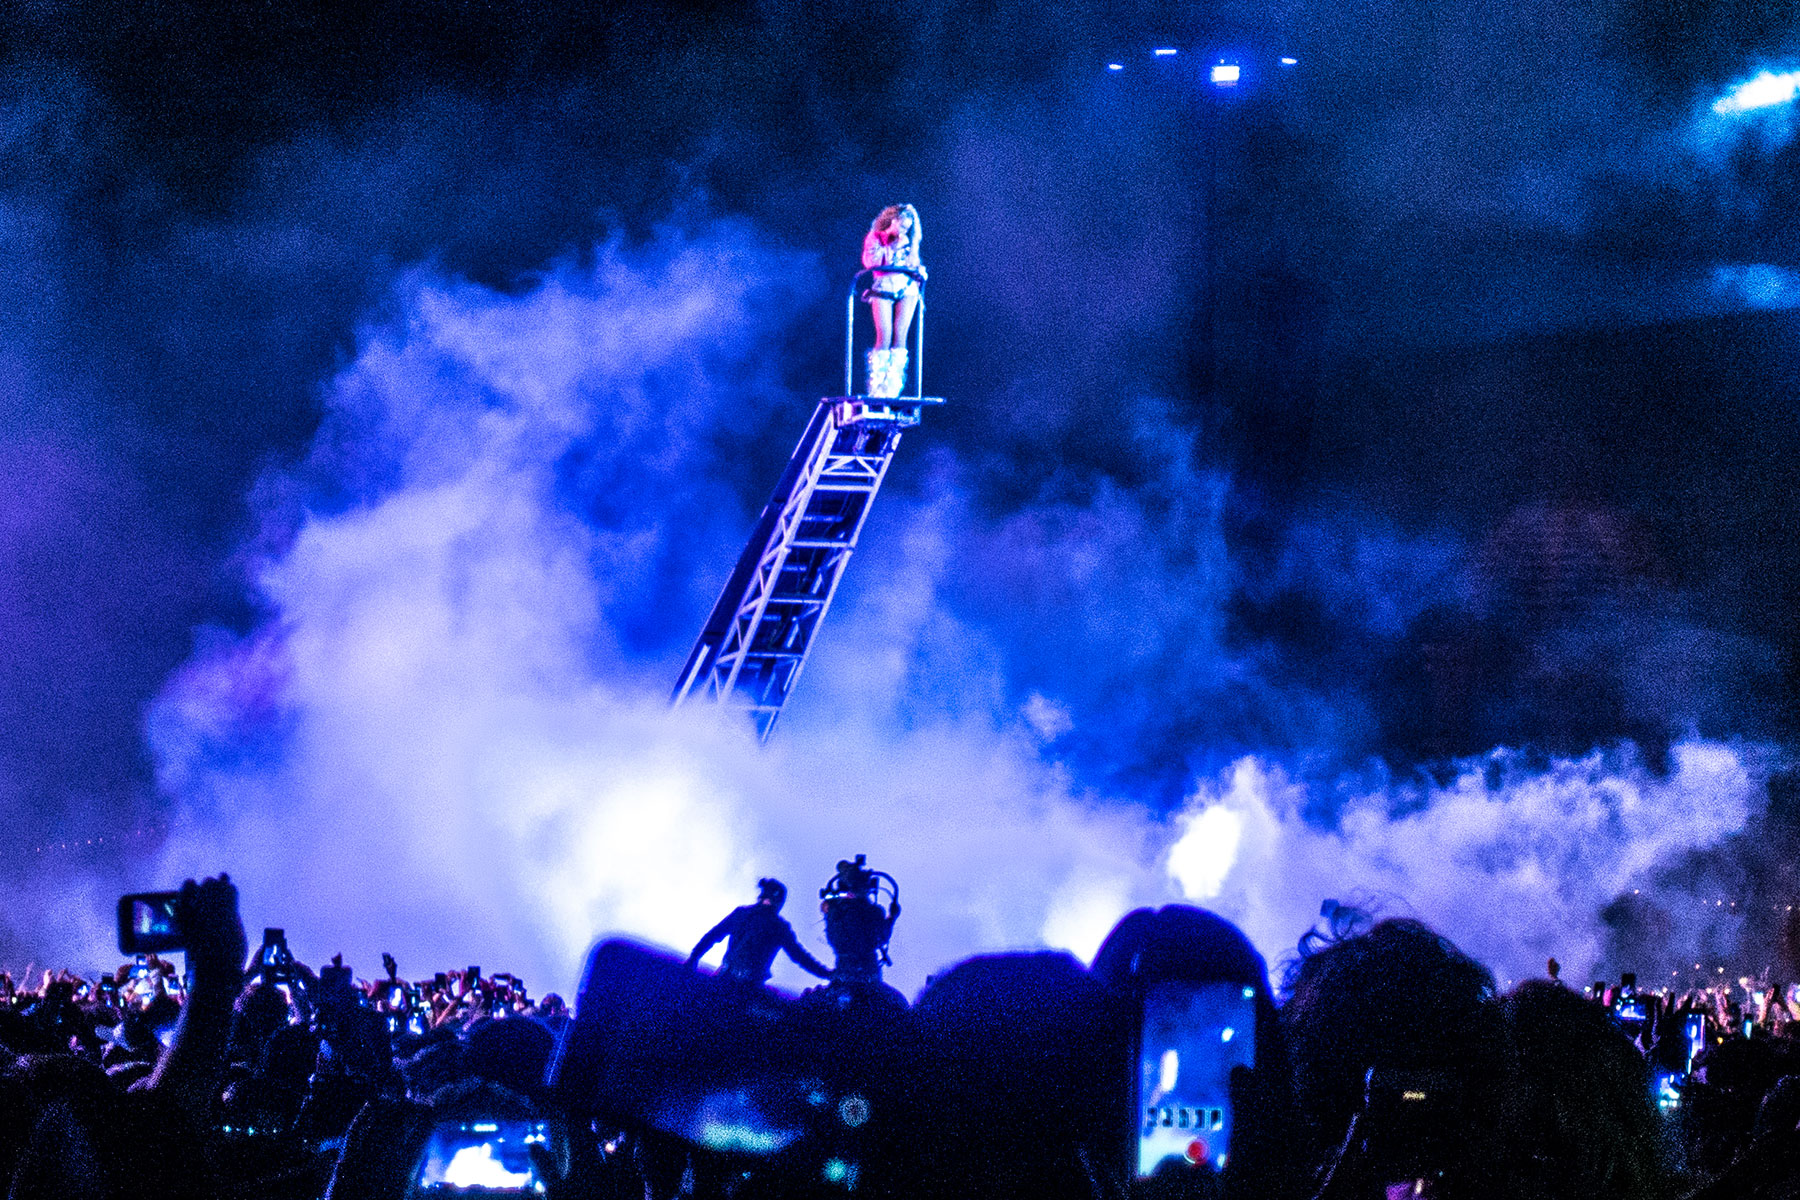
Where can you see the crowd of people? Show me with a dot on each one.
(1386, 1063)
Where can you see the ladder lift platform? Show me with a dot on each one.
(750, 652)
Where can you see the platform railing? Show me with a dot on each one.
(859, 288)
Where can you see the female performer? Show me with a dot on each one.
(893, 297)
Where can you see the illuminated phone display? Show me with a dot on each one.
(493, 1156)
(1192, 1036)
(150, 919)
(1667, 1088)
(148, 924)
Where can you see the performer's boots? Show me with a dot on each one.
(896, 371)
(887, 373)
(877, 376)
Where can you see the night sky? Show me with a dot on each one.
(1422, 403)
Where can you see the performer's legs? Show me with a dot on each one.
(903, 317)
(883, 312)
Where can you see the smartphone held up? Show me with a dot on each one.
(150, 924)
(1192, 1036)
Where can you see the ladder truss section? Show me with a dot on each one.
(754, 644)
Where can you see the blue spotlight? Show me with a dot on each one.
(1765, 90)
(1115, 66)
(1288, 62)
(1165, 52)
(1226, 74)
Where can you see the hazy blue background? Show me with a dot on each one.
(1397, 449)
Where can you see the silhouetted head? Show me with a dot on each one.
(1586, 1120)
(772, 892)
(512, 1052)
(1177, 941)
(854, 927)
(1033, 1026)
(1369, 1012)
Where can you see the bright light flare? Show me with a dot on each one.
(1203, 857)
(476, 1167)
(1165, 52)
(1169, 1069)
(1765, 90)
(1226, 74)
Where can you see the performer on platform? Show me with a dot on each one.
(892, 241)
(757, 932)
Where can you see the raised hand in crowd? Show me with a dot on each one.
(191, 1068)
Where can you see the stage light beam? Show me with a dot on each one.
(1764, 90)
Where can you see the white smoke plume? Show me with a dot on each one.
(1513, 862)
(438, 744)
(446, 739)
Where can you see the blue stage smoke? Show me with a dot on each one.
(440, 743)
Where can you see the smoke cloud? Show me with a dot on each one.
(445, 739)
(1083, 660)
(1513, 860)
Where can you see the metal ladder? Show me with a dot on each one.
(750, 652)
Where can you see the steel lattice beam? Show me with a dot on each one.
(753, 646)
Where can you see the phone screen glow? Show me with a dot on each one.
(494, 1156)
(150, 919)
(1192, 1037)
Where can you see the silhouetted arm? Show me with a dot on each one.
(801, 955)
(714, 936)
(190, 1070)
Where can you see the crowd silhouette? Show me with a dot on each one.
(1384, 1062)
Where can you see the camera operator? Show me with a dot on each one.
(189, 1072)
(354, 1059)
(259, 1011)
(85, 1136)
(858, 927)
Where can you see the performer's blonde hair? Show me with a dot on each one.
(891, 215)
